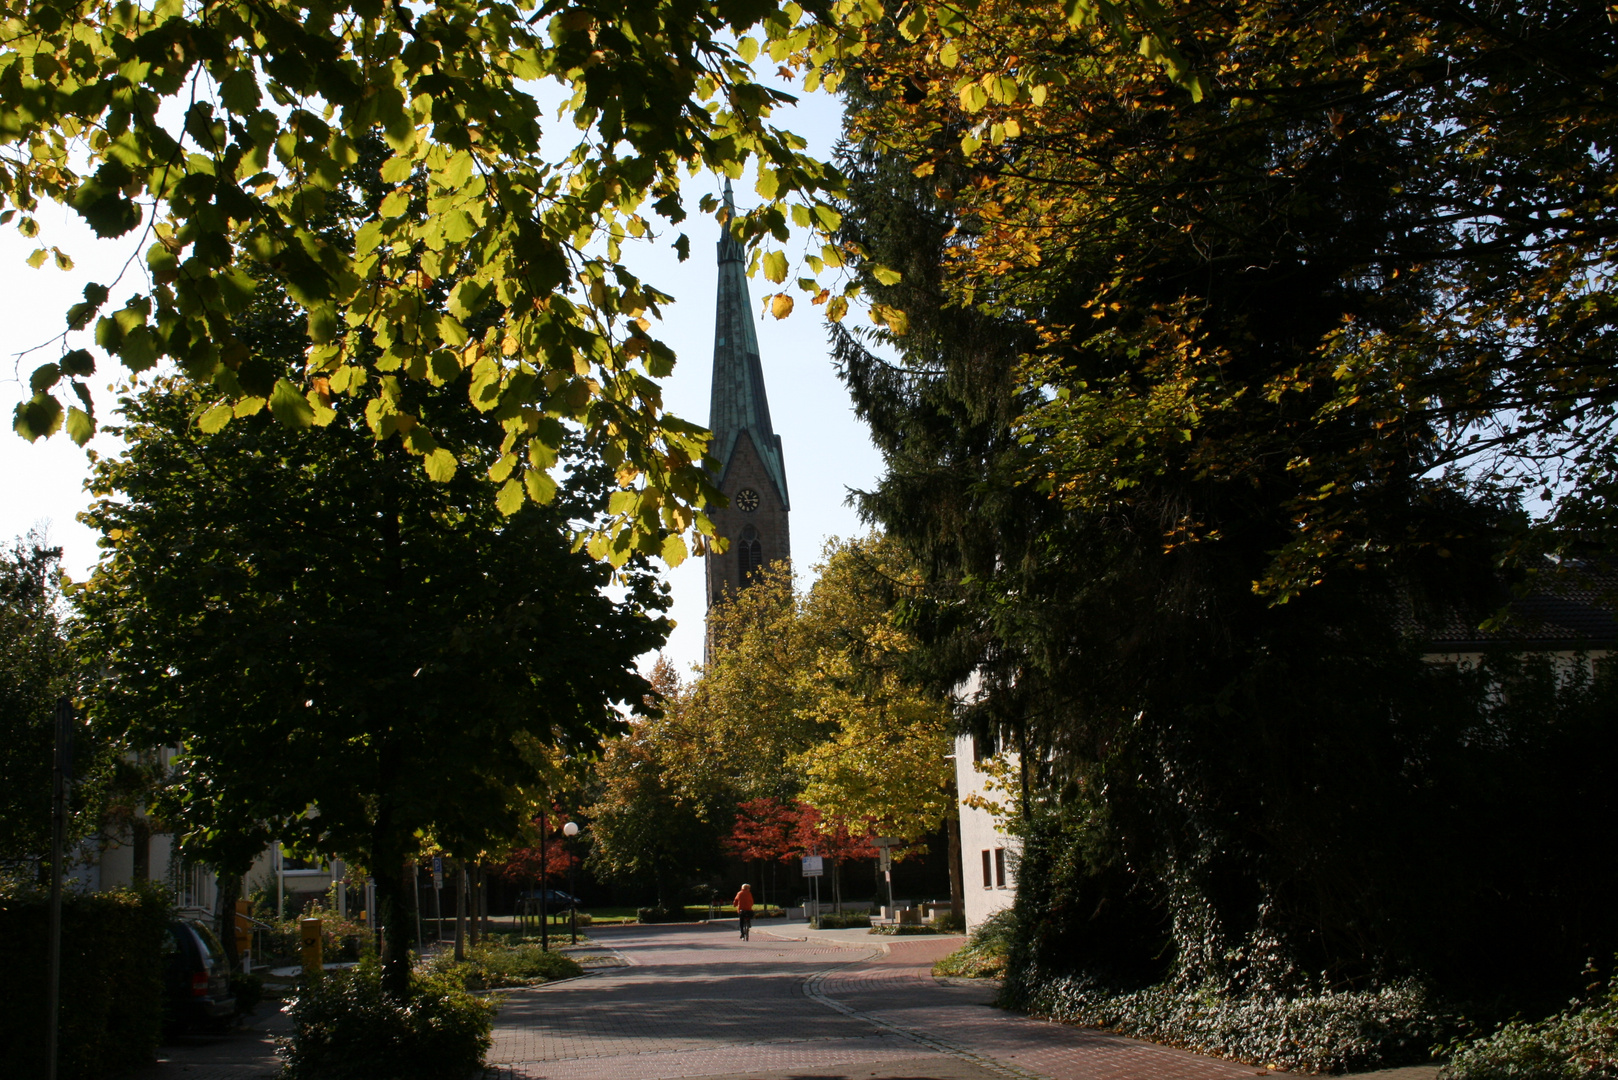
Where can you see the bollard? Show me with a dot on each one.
(309, 930)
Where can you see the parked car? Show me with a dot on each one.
(196, 982)
(555, 899)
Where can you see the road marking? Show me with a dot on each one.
(812, 989)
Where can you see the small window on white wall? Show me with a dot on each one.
(1000, 867)
(988, 870)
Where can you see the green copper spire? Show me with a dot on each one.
(738, 403)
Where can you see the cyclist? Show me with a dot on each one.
(744, 909)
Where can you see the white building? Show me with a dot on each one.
(988, 854)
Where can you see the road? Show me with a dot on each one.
(694, 1002)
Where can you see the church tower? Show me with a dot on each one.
(752, 472)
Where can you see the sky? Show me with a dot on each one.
(828, 450)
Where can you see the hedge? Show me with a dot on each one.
(111, 1013)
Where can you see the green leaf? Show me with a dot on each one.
(37, 259)
(214, 420)
(40, 415)
(886, 276)
(289, 406)
(239, 93)
(81, 426)
(44, 377)
(541, 488)
(138, 350)
(509, 500)
(775, 266)
(440, 465)
(78, 363)
(674, 551)
(322, 324)
(397, 169)
(502, 468)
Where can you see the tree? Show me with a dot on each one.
(764, 831)
(1350, 277)
(236, 122)
(37, 670)
(352, 659)
(886, 755)
(1124, 423)
(835, 838)
(645, 826)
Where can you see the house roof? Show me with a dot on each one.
(1569, 605)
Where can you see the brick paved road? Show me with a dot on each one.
(698, 1003)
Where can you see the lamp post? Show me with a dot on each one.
(570, 830)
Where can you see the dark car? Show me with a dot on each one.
(555, 899)
(196, 983)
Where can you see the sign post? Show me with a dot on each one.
(438, 897)
(884, 847)
(814, 869)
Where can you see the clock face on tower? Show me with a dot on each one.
(747, 500)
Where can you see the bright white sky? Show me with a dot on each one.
(827, 449)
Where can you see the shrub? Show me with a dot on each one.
(947, 922)
(1579, 1043)
(1323, 1031)
(345, 1028)
(840, 920)
(340, 939)
(493, 966)
(984, 954)
(112, 982)
(659, 914)
(248, 990)
(905, 929)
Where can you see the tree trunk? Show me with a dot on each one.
(837, 886)
(477, 888)
(483, 899)
(396, 915)
(224, 923)
(460, 910)
(957, 887)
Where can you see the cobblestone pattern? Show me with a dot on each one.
(898, 991)
(695, 998)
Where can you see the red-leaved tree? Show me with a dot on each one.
(834, 839)
(766, 832)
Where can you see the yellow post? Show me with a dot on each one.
(309, 930)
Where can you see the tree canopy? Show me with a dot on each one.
(1373, 262)
(1197, 411)
(352, 659)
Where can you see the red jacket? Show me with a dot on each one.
(744, 900)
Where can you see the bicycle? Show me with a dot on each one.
(746, 919)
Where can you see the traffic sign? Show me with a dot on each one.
(887, 841)
(813, 866)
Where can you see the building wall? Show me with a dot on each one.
(746, 471)
(981, 834)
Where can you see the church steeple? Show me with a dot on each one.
(738, 403)
(752, 469)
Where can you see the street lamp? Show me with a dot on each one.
(570, 830)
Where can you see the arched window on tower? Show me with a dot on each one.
(750, 553)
